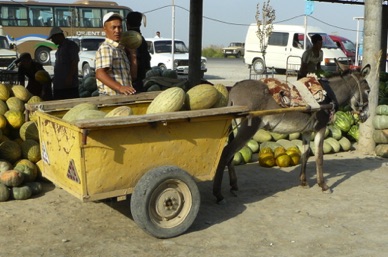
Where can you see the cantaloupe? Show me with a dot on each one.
(15, 103)
(131, 39)
(11, 178)
(21, 92)
(202, 96)
(223, 96)
(89, 115)
(120, 111)
(43, 77)
(71, 114)
(169, 100)
(3, 107)
(14, 118)
(5, 92)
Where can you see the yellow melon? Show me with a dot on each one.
(43, 77)
(131, 39)
(5, 92)
(14, 118)
(21, 92)
(283, 160)
(266, 159)
(223, 96)
(202, 96)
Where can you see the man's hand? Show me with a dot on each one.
(127, 90)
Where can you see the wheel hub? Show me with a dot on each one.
(169, 203)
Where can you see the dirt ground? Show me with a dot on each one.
(271, 216)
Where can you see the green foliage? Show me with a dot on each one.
(212, 51)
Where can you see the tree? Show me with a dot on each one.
(264, 25)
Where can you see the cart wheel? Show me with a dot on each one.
(165, 202)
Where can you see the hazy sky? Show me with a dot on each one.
(227, 20)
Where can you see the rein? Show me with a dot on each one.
(360, 102)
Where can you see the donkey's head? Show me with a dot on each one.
(359, 87)
(359, 101)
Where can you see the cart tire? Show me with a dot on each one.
(165, 202)
(258, 66)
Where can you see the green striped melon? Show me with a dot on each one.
(21, 193)
(29, 130)
(21, 92)
(31, 150)
(202, 96)
(10, 151)
(120, 111)
(131, 39)
(169, 100)
(333, 143)
(71, 114)
(382, 109)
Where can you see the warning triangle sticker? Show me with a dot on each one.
(72, 172)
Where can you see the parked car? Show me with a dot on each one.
(7, 54)
(88, 45)
(346, 45)
(161, 56)
(235, 49)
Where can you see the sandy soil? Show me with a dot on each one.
(272, 216)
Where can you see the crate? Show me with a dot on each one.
(9, 77)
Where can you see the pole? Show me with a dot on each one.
(173, 36)
(357, 37)
(305, 33)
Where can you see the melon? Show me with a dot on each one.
(237, 158)
(3, 122)
(43, 77)
(334, 144)
(10, 151)
(382, 109)
(4, 193)
(382, 150)
(34, 99)
(262, 135)
(169, 73)
(253, 145)
(89, 84)
(246, 154)
(345, 144)
(15, 103)
(294, 154)
(14, 118)
(131, 39)
(5, 165)
(28, 168)
(71, 114)
(3, 107)
(120, 111)
(169, 100)
(154, 87)
(21, 92)
(154, 72)
(36, 187)
(21, 193)
(202, 96)
(11, 178)
(280, 150)
(380, 121)
(283, 160)
(29, 130)
(89, 115)
(5, 92)
(223, 96)
(31, 150)
(266, 159)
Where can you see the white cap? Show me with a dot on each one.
(110, 15)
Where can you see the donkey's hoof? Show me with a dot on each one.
(327, 190)
(304, 185)
(233, 192)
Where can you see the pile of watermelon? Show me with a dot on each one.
(19, 145)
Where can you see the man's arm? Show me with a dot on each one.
(103, 76)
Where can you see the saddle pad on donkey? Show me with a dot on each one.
(289, 95)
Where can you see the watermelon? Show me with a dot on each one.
(131, 39)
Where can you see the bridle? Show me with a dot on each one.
(360, 103)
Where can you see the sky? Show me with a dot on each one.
(226, 21)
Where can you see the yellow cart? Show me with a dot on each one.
(157, 158)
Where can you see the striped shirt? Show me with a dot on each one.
(111, 55)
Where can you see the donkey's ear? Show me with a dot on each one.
(365, 71)
(341, 67)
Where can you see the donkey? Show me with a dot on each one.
(348, 87)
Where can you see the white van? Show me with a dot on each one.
(285, 49)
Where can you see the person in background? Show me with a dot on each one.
(142, 62)
(27, 68)
(113, 71)
(311, 63)
(157, 34)
(65, 82)
(312, 57)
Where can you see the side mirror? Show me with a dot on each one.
(12, 46)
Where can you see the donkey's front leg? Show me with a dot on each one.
(304, 158)
(318, 143)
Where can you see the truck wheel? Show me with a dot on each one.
(42, 55)
(86, 70)
(238, 55)
(258, 66)
(165, 202)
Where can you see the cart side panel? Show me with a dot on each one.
(60, 144)
(115, 159)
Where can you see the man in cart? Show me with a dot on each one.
(113, 72)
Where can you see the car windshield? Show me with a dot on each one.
(164, 46)
(327, 42)
(349, 46)
(92, 44)
(236, 44)
(4, 43)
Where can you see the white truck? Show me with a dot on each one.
(285, 47)
(7, 53)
